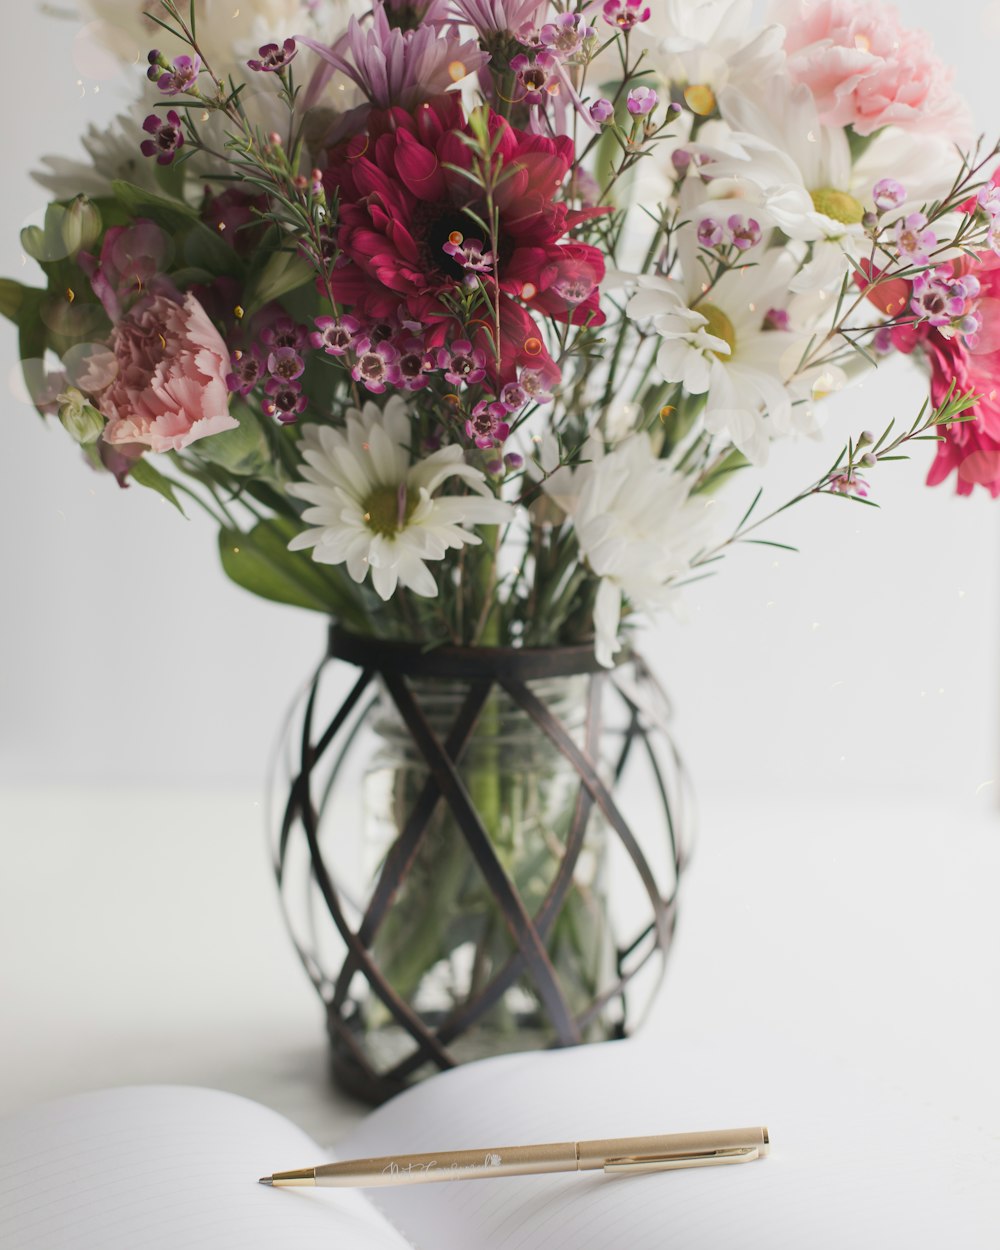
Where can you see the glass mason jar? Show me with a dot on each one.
(455, 852)
(447, 934)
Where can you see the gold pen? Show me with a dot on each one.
(614, 1155)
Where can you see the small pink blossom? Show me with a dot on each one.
(601, 110)
(867, 70)
(641, 100)
(170, 388)
(744, 232)
(625, 13)
(914, 241)
(888, 193)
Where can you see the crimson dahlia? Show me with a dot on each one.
(409, 240)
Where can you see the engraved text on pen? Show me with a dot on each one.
(491, 1160)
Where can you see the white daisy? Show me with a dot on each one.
(804, 179)
(721, 342)
(709, 45)
(374, 508)
(637, 526)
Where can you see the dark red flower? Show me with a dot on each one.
(409, 236)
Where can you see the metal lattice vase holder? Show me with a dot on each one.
(478, 850)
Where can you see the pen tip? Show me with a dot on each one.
(266, 1180)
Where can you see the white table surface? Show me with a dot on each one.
(142, 942)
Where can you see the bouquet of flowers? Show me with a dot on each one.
(456, 315)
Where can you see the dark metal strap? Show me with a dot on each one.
(515, 916)
(537, 710)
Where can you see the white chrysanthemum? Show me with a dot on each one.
(804, 179)
(709, 45)
(721, 342)
(637, 526)
(374, 508)
(114, 154)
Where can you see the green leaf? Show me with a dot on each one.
(14, 297)
(201, 246)
(146, 475)
(242, 451)
(260, 562)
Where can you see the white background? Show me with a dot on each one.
(867, 662)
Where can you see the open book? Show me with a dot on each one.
(176, 1168)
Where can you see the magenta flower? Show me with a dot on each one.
(335, 336)
(284, 400)
(566, 35)
(463, 364)
(469, 254)
(625, 13)
(849, 484)
(641, 100)
(943, 300)
(174, 78)
(376, 365)
(601, 111)
(247, 371)
(888, 193)
(285, 363)
(913, 240)
(274, 58)
(710, 232)
(487, 427)
(402, 194)
(537, 78)
(284, 332)
(167, 137)
(777, 319)
(745, 232)
(414, 364)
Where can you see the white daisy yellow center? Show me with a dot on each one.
(387, 509)
(720, 327)
(838, 205)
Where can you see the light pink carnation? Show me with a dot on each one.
(169, 387)
(868, 71)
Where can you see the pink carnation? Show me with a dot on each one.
(169, 388)
(866, 70)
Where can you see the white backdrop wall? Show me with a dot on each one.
(870, 660)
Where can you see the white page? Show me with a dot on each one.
(169, 1168)
(851, 1165)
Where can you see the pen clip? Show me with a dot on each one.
(687, 1159)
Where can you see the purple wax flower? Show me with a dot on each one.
(285, 363)
(487, 427)
(745, 232)
(274, 58)
(335, 336)
(376, 365)
(641, 100)
(167, 137)
(566, 35)
(601, 110)
(888, 193)
(247, 372)
(174, 78)
(284, 332)
(710, 232)
(469, 254)
(414, 364)
(913, 240)
(625, 13)
(285, 401)
(463, 364)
